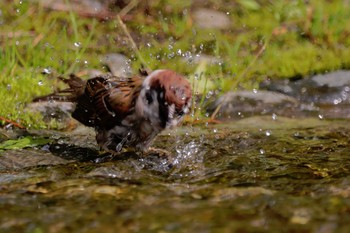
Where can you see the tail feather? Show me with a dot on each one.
(70, 94)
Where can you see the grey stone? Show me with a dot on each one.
(338, 78)
(245, 103)
(19, 159)
(60, 111)
(328, 94)
(118, 64)
(211, 19)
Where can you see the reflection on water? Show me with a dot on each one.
(215, 180)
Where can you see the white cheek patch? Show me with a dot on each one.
(171, 112)
(149, 77)
(186, 109)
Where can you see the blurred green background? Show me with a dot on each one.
(220, 45)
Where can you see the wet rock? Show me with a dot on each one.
(331, 88)
(118, 64)
(328, 93)
(211, 19)
(248, 103)
(59, 111)
(19, 159)
(13, 133)
(338, 78)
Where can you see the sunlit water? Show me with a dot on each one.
(255, 175)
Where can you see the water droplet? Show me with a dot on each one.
(209, 94)
(274, 116)
(179, 52)
(262, 151)
(149, 45)
(215, 130)
(194, 32)
(320, 116)
(337, 101)
(46, 148)
(268, 133)
(77, 44)
(255, 91)
(171, 55)
(227, 13)
(47, 70)
(119, 147)
(40, 83)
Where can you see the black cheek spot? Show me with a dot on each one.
(163, 108)
(149, 97)
(180, 113)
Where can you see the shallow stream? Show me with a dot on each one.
(259, 174)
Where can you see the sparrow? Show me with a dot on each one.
(127, 112)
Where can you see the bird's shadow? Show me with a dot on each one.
(83, 154)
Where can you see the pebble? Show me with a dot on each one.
(211, 19)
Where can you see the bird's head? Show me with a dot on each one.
(164, 99)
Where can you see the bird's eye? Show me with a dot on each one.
(149, 97)
(180, 113)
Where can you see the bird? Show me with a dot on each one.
(127, 113)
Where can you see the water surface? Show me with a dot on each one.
(254, 175)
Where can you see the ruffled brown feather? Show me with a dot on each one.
(102, 101)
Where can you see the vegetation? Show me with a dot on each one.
(267, 39)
